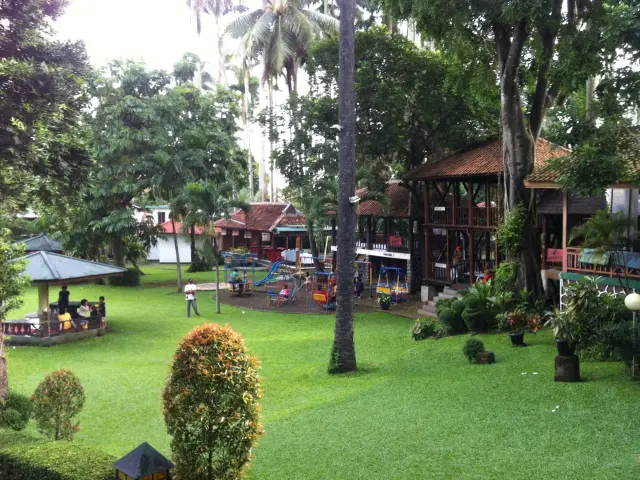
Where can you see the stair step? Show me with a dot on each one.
(428, 308)
(451, 291)
(425, 313)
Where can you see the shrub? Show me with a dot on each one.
(511, 230)
(199, 263)
(506, 277)
(15, 412)
(458, 306)
(213, 386)
(426, 328)
(471, 348)
(451, 321)
(130, 278)
(54, 461)
(445, 303)
(58, 399)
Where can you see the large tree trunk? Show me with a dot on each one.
(343, 352)
(262, 170)
(175, 244)
(117, 248)
(518, 146)
(247, 131)
(194, 252)
(4, 379)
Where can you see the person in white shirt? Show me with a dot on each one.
(190, 295)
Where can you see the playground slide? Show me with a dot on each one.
(270, 275)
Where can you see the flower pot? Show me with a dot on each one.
(565, 349)
(517, 339)
(385, 306)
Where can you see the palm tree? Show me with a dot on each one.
(207, 202)
(280, 33)
(343, 354)
(216, 8)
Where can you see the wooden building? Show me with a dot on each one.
(462, 208)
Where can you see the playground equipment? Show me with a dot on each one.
(279, 271)
(393, 282)
(244, 262)
(321, 285)
(363, 269)
(276, 298)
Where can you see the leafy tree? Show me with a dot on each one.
(544, 53)
(12, 284)
(211, 404)
(43, 145)
(208, 201)
(58, 399)
(15, 411)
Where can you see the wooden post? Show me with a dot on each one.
(368, 233)
(455, 202)
(545, 242)
(43, 297)
(487, 200)
(470, 201)
(565, 210)
(448, 257)
(472, 269)
(427, 253)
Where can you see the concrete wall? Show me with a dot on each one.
(167, 252)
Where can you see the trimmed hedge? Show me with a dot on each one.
(15, 412)
(130, 278)
(55, 461)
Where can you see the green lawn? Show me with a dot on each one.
(165, 274)
(415, 410)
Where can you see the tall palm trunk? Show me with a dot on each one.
(117, 249)
(262, 171)
(175, 244)
(215, 259)
(247, 131)
(273, 178)
(222, 70)
(194, 252)
(343, 354)
(4, 378)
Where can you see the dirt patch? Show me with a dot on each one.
(258, 300)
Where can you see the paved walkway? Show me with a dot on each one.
(210, 287)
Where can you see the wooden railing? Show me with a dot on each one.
(36, 329)
(613, 269)
(480, 217)
(382, 242)
(438, 271)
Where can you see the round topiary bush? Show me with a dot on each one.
(471, 348)
(15, 412)
(211, 404)
(451, 321)
(58, 399)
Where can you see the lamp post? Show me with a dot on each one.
(632, 302)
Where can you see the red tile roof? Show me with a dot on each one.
(168, 228)
(398, 206)
(262, 216)
(481, 160)
(290, 220)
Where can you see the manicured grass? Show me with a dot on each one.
(166, 274)
(415, 409)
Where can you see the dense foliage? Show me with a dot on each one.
(426, 328)
(43, 146)
(15, 412)
(54, 461)
(211, 404)
(56, 401)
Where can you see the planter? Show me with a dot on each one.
(565, 349)
(385, 306)
(517, 339)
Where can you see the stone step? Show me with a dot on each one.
(429, 308)
(442, 295)
(425, 313)
(451, 291)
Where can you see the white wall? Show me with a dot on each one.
(167, 250)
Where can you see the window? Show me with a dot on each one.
(161, 217)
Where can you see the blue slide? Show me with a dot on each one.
(274, 269)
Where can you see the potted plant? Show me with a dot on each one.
(384, 300)
(565, 330)
(519, 322)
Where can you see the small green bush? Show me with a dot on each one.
(130, 278)
(445, 303)
(15, 412)
(505, 278)
(471, 348)
(452, 321)
(458, 306)
(511, 230)
(426, 328)
(58, 399)
(54, 461)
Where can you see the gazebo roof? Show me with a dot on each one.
(53, 267)
(41, 242)
(142, 461)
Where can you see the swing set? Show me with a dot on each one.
(392, 281)
(322, 286)
(240, 261)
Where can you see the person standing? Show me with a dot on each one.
(190, 293)
(63, 300)
(102, 306)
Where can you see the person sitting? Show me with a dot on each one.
(234, 279)
(488, 274)
(65, 321)
(358, 287)
(333, 292)
(85, 312)
(285, 292)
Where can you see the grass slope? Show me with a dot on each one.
(415, 409)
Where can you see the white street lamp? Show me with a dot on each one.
(632, 302)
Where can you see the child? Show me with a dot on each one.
(63, 300)
(358, 287)
(285, 292)
(84, 311)
(102, 307)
